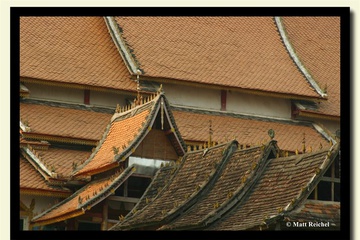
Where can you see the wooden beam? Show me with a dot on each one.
(104, 216)
(123, 199)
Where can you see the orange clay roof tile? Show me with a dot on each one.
(119, 136)
(75, 50)
(240, 52)
(195, 127)
(64, 122)
(317, 44)
(30, 179)
(86, 197)
(273, 191)
(63, 159)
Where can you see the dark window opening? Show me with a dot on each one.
(87, 226)
(133, 187)
(120, 190)
(21, 224)
(337, 192)
(137, 186)
(324, 191)
(328, 189)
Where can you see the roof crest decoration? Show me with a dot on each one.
(35, 157)
(24, 127)
(296, 59)
(121, 44)
(324, 133)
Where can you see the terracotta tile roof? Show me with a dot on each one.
(239, 52)
(194, 126)
(314, 211)
(31, 182)
(44, 145)
(63, 160)
(281, 183)
(231, 180)
(76, 50)
(316, 41)
(85, 198)
(124, 133)
(192, 178)
(120, 135)
(64, 122)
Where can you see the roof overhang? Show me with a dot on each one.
(230, 88)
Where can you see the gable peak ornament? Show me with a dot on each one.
(271, 133)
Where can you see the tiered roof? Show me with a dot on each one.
(241, 53)
(194, 127)
(128, 127)
(32, 183)
(62, 124)
(317, 44)
(236, 189)
(84, 199)
(284, 183)
(75, 52)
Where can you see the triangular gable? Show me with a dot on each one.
(84, 199)
(190, 204)
(127, 129)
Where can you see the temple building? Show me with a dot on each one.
(179, 123)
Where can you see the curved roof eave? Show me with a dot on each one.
(296, 59)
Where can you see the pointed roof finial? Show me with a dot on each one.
(160, 90)
(210, 132)
(138, 73)
(337, 135)
(271, 133)
(303, 144)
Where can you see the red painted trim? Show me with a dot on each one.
(86, 96)
(223, 100)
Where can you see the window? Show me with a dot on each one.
(22, 222)
(328, 189)
(89, 226)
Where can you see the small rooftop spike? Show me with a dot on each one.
(271, 133)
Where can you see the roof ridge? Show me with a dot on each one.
(293, 55)
(121, 45)
(243, 190)
(117, 178)
(138, 103)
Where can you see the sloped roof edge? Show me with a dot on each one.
(244, 188)
(115, 33)
(228, 149)
(88, 203)
(306, 191)
(159, 102)
(296, 59)
(32, 157)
